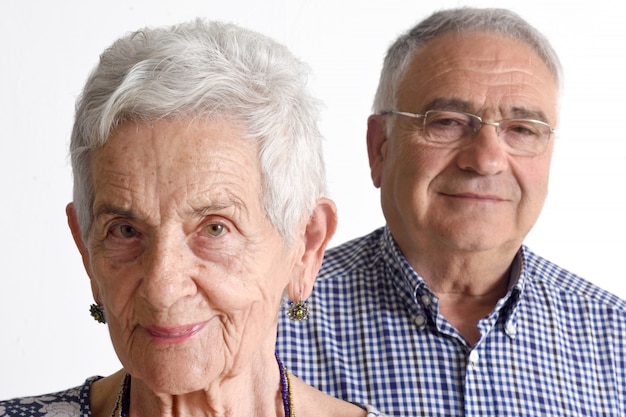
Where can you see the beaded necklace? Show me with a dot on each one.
(285, 388)
(122, 402)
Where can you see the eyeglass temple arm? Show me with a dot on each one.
(403, 113)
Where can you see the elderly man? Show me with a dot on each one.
(444, 311)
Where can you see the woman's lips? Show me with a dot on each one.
(174, 335)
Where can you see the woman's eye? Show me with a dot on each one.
(215, 229)
(125, 231)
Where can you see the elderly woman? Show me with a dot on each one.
(198, 202)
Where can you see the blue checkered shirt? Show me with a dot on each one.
(555, 345)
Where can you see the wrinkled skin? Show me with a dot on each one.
(187, 266)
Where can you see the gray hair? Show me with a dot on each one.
(208, 69)
(461, 20)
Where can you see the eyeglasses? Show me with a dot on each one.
(522, 136)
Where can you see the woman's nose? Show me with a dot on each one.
(167, 272)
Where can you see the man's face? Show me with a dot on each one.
(476, 195)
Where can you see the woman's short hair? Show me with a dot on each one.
(460, 20)
(208, 70)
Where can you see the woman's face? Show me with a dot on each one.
(181, 254)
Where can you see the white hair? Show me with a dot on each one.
(208, 69)
(460, 20)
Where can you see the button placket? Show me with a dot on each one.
(473, 359)
(419, 320)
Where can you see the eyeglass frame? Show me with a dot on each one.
(495, 124)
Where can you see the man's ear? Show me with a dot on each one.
(72, 221)
(376, 146)
(319, 230)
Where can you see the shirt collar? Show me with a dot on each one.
(413, 289)
(405, 278)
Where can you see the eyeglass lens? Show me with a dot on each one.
(522, 135)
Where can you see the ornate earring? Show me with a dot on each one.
(97, 312)
(298, 311)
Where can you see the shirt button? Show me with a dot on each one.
(426, 300)
(419, 321)
(473, 359)
(510, 328)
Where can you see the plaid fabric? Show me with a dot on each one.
(555, 345)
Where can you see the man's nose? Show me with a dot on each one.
(485, 153)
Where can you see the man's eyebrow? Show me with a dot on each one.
(449, 104)
(465, 106)
(524, 113)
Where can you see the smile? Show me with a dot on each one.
(477, 197)
(174, 335)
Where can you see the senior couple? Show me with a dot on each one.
(199, 202)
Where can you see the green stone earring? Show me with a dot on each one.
(298, 311)
(97, 312)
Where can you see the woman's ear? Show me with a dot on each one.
(319, 230)
(72, 221)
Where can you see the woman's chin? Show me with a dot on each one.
(176, 381)
(176, 368)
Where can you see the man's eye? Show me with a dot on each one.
(448, 122)
(522, 130)
(215, 229)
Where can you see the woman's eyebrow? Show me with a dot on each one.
(111, 209)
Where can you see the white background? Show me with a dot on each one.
(48, 340)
